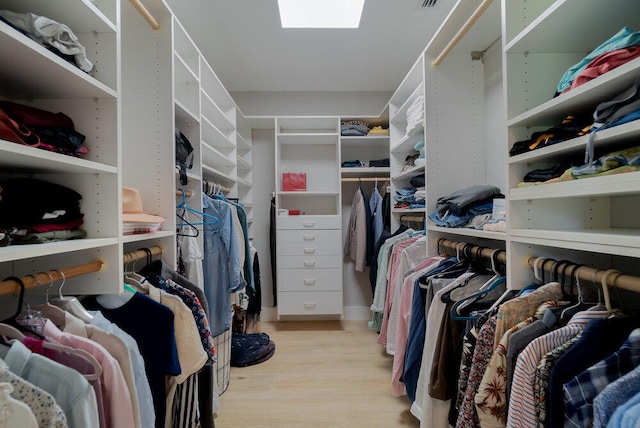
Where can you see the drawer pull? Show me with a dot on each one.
(309, 237)
(309, 263)
(309, 305)
(309, 250)
(309, 223)
(309, 282)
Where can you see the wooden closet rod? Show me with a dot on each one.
(485, 252)
(584, 273)
(218, 186)
(187, 193)
(10, 286)
(141, 254)
(461, 32)
(354, 179)
(153, 23)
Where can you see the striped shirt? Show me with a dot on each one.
(522, 411)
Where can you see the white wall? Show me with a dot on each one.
(263, 186)
(311, 103)
(494, 113)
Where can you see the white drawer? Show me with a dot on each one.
(309, 262)
(309, 222)
(310, 249)
(293, 235)
(309, 280)
(316, 303)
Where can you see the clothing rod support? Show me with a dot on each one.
(10, 286)
(153, 23)
(461, 32)
(141, 254)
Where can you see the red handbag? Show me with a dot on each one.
(294, 181)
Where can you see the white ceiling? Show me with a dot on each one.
(243, 41)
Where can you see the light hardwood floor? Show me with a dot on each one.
(323, 374)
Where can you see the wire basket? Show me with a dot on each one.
(222, 365)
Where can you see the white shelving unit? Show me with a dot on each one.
(464, 123)
(92, 101)
(309, 266)
(589, 219)
(401, 142)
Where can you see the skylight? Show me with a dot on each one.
(320, 13)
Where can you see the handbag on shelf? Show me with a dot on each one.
(294, 181)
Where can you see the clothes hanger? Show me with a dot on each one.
(71, 304)
(487, 286)
(454, 310)
(605, 290)
(212, 220)
(31, 318)
(137, 281)
(13, 320)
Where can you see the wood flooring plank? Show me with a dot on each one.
(323, 374)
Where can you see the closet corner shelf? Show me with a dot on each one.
(593, 92)
(407, 211)
(400, 115)
(576, 146)
(409, 172)
(19, 252)
(365, 141)
(145, 236)
(243, 182)
(383, 173)
(216, 175)
(621, 242)
(308, 138)
(26, 72)
(184, 114)
(83, 17)
(17, 156)
(611, 185)
(409, 140)
(498, 236)
(186, 65)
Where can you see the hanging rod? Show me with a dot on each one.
(187, 193)
(355, 179)
(219, 187)
(10, 286)
(141, 254)
(142, 10)
(473, 249)
(461, 32)
(585, 273)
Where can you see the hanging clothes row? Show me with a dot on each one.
(470, 353)
(369, 217)
(178, 353)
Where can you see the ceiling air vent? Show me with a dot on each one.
(426, 3)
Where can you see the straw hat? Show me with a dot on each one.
(132, 208)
